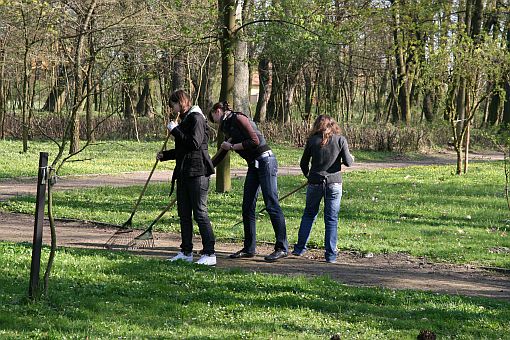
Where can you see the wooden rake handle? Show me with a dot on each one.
(171, 204)
(135, 208)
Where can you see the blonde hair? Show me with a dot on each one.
(325, 126)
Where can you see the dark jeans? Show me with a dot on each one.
(263, 177)
(192, 199)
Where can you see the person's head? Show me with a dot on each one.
(179, 101)
(326, 127)
(218, 110)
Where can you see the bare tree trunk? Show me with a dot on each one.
(89, 119)
(56, 98)
(88, 101)
(506, 106)
(241, 66)
(78, 82)
(466, 147)
(403, 98)
(3, 101)
(205, 98)
(242, 76)
(143, 107)
(98, 97)
(179, 72)
(428, 106)
(494, 108)
(53, 246)
(227, 16)
(290, 86)
(274, 105)
(265, 69)
(309, 92)
(364, 113)
(24, 98)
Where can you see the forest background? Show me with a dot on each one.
(398, 75)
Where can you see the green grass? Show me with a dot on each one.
(422, 211)
(105, 295)
(123, 156)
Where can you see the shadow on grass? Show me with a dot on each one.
(102, 294)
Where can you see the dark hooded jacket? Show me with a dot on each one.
(191, 144)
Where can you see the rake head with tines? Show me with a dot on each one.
(122, 237)
(146, 238)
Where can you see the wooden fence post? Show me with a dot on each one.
(38, 225)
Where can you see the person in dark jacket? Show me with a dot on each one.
(192, 172)
(243, 137)
(328, 150)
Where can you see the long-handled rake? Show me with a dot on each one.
(124, 234)
(146, 238)
(280, 199)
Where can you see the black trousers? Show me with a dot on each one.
(192, 201)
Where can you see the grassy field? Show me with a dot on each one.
(422, 211)
(123, 156)
(104, 295)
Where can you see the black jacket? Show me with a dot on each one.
(191, 144)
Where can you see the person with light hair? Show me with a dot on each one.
(326, 149)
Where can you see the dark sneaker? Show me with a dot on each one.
(297, 253)
(276, 255)
(241, 254)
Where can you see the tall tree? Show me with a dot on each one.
(227, 20)
(84, 19)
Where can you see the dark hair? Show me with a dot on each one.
(219, 105)
(180, 97)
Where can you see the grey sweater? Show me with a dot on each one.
(326, 160)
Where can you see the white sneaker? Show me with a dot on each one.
(207, 260)
(183, 257)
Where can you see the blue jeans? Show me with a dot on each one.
(263, 177)
(332, 194)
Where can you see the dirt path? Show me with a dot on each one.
(396, 271)
(27, 186)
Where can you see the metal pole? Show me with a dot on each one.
(38, 225)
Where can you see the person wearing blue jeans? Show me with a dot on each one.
(263, 176)
(243, 137)
(327, 150)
